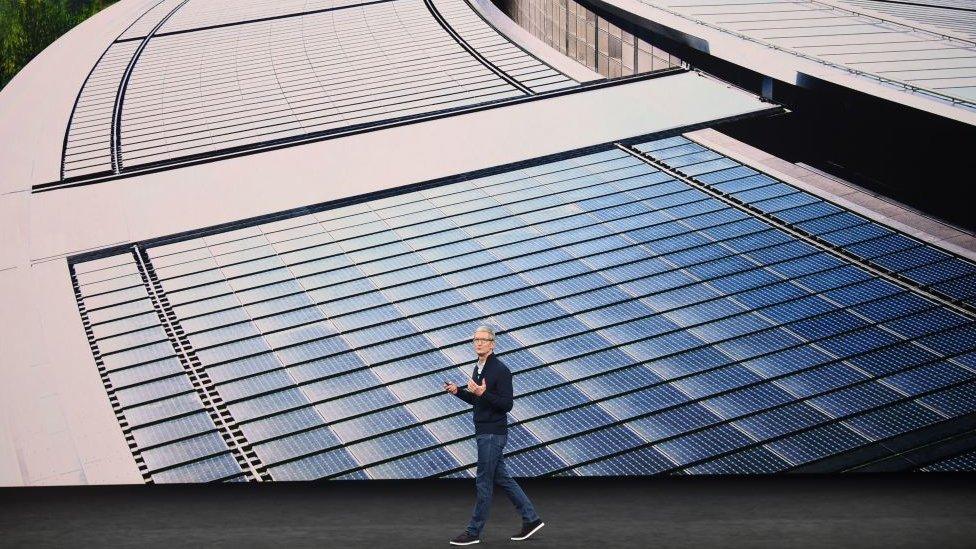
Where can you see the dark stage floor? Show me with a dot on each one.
(852, 511)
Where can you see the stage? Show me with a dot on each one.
(920, 510)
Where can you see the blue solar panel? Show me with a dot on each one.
(535, 462)
(897, 250)
(825, 222)
(752, 461)
(780, 421)
(959, 463)
(809, 446)
(954, 401)
(959, 289)
(703, 445)
(644, 461)
(612, 440)
(649, 326)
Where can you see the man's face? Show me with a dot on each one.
(484, 344)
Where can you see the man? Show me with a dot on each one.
(490, 391)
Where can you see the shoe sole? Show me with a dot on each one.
(534, 530)
(466, 542)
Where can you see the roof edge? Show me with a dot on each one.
(37, 103)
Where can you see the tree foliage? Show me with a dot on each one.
(29, 26)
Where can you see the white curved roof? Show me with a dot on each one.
(37, 103)
(191, 79)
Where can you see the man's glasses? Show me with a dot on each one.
(483, 339)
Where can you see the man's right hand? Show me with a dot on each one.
(451, 388)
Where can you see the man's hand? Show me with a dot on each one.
(478, 390)
(450, 388)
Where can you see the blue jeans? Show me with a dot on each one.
(491, 471)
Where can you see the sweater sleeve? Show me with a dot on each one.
(465, 395)
(501, 398)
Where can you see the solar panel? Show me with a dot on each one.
(645, 335)
(933, 269)
(962, 462)
(150, 390)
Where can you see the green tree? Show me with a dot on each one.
(29, 26)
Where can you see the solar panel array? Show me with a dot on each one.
(218, 77)
(89, 141)
(138, 362)
(911, 55)
(650, 326)
(909, 259)
(965, 462)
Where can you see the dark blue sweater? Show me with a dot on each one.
(492, 407)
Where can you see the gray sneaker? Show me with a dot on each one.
(528, 528)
